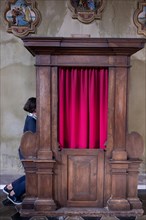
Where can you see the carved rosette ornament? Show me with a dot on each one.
(21, 16)
(86, 10)
(140, 17)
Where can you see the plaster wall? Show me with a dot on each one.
(17, 71)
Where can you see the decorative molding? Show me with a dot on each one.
(22, 17)
(74, 218)
(140, 18)
(86, 10)
(38, 218)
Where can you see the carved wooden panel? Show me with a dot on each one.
(83, 177)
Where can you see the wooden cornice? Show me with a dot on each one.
(83, 46)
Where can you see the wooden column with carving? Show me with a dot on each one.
(119, 163)
(44, 162)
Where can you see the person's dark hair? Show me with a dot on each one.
(30, 105)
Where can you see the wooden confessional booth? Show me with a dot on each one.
(78, 182)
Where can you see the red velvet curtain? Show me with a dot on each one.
(83, 106)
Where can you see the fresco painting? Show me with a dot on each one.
(86, 11)
(22, 17)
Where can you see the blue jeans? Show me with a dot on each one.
(19, 184)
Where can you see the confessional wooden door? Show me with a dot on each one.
(82, 133)
(82, 178)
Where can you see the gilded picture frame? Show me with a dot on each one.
(140, 18)
(22, 17)
(86, 11)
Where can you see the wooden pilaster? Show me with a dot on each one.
(44, 162)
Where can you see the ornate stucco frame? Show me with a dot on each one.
(140, 11)
(14, 6)
(87, 16)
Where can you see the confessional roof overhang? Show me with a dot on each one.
(83, 46)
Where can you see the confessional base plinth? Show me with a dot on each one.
(28, 203)
(82, 212)
(44, 205)
(118, 204)
(135, 203)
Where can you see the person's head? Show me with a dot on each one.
(30, 105)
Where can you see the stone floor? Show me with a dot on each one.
(9, 212)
